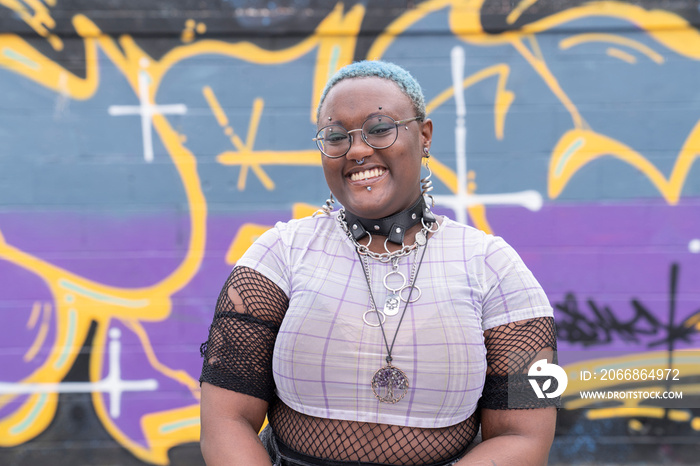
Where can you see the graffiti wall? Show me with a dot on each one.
(144, 146)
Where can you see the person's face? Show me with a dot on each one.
(393, 174)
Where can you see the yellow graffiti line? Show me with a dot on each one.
(579, 39)
(540, 66)
(178, 375)
(157, 443)
(34, 316)
(502, 100)
(41, 20)
(167, 429)
(532, 39)
(245, 236)
(607, 413)
(96, 299)
(128, 58)
(667, 28)
(215, 106)
(69, 346)
(29, 420)
(401, 24)
(244, 148)
(18, 56)
(578, 147)
(621, 54)
(41, 335)
(95, 374)
(258, 105)
(337, 40)
(647, 411)
(102, 297)
(302, 157)
(519, 10)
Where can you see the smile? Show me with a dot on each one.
(367, 174)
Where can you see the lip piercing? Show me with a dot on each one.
(369, 188)
(360, 162)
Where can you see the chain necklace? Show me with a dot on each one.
(394, 295)
(389, 383)
(420, 240)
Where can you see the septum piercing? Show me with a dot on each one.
(360, 162)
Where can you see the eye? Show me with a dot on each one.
(335, 136)
(379, 128)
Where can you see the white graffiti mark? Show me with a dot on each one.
(146, 109)
(694, 246)
(112, 384)
(459, 202)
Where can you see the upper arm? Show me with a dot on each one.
(220, 405)
(238, 353)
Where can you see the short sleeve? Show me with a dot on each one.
(511, 292)
(238, 353)
(269, 255)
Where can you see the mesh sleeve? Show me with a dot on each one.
(238, 353)
(510, 351)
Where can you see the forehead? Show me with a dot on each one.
(358, 97)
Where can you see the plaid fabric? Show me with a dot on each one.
(325, 355)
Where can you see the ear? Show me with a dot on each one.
(426, 133)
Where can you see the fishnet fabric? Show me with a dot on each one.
(510, 351)
(367, 442)
(238, 354)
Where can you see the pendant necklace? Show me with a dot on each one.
(392, 302)
(389, 383)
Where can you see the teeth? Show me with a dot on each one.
(373, 173)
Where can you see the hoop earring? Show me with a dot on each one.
(328, 208)
(425, 183)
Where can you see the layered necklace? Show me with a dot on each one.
(389, 383)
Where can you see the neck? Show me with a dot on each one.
(394, 227)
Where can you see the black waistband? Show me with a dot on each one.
(394, 226)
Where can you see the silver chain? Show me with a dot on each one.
(386, 256)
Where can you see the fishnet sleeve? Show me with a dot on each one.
(238, 353)
(510, 351)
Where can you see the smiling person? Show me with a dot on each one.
(380, 334)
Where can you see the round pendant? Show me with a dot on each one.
(421, 239)
(373, 321)
(390, 384)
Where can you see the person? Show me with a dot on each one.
(381, 333)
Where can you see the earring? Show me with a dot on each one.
(425, 183)
(328, 208)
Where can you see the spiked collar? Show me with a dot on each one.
(394, 226)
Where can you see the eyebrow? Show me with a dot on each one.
(579, 39)
(370, 115)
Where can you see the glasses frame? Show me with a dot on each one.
(398, 123)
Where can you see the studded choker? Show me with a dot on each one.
(394, 226)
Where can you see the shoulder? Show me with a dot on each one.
(479, 242)
(294, 230)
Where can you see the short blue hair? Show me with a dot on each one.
(378, 69)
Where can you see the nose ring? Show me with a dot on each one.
(360, 162)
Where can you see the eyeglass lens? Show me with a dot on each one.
(379, 132)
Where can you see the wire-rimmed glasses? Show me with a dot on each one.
(378, 132)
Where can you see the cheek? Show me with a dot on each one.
(331, 170)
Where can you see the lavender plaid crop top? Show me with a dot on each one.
(325, 355)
